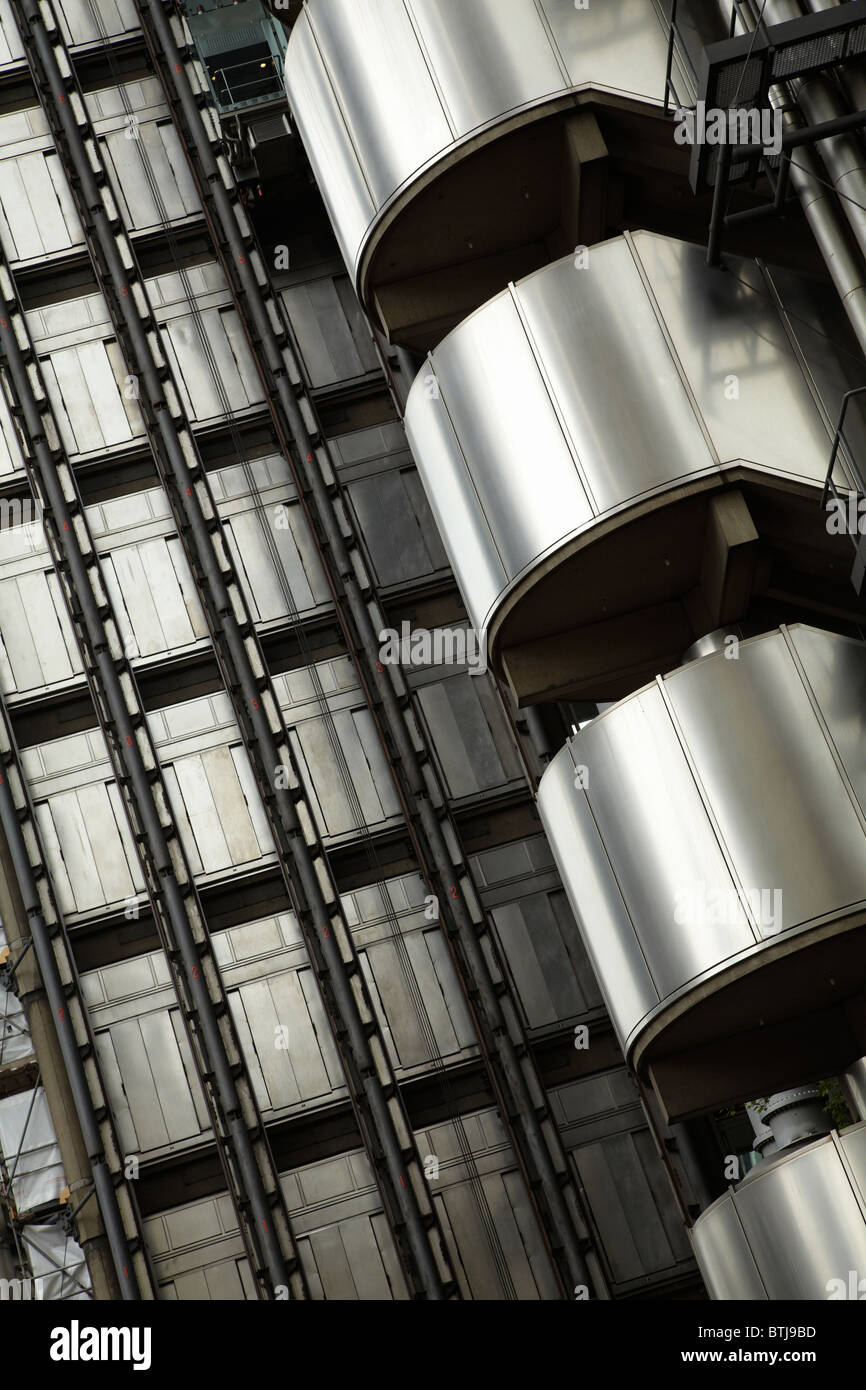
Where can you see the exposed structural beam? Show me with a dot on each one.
(813, 132)
(251, 1175)
(59, 979)
(516, 1083)
(792, 139)
(381, 1115)
(729, 559)
(586, 172)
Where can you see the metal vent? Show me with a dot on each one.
(738, 73)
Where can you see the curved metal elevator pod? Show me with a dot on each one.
(710, 831)
(624, 456)
(458, 147)
(753, 1242)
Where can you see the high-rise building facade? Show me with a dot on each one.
(432, 800)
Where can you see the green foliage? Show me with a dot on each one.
(835, 1103)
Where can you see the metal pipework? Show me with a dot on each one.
(841, 155)
(764, 1142)
(57, 998)
(851, 75)
(790, 1117)
(384, 1125)
(831, 231)
(517, 1086)
(168, 896)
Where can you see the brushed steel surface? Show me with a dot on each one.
(82, 22)
(715, 818)
(722, 1251)
(11, 49)
(343, 1238)
(579, 393)
(751, 731)
(383, 90)
(278, 1014)
(796, 1224)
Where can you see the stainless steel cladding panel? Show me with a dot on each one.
(471, 738)
(500, 393)
(395, 522)
(344, 1241)
(205, 343)
(154, 597)
(774, 755)
(148, 1066)
(343, 1237)
(11, 50)
(92, 397)
(278, 1013)
(580, 392)
(95, 400)
(88, 848)
(546, 958)
(149, 163)
(410, 974)
(754, 1242)
(85, 21)
(216, 803)
(735, 355)
(284, 1034)
(151, 1082)
(143, 150)
(536, 932)
(37, 643)
(215, 799)
(384, 91)
(11, 460)
(331, 331)
(722, 1251)
(700, 819)
(271, 542)
(37, 211)
(484, 1210)
(341, 758)
(148, 577)
(608, 934)
(133, 124)
(198, 1252)
(627, 1190)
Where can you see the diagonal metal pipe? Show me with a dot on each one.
(832, 231)
(143, 785)
(56, 994)
(383, 1121)
(515, 1081)
(842, 155)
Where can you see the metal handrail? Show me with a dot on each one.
(838, 441)
(233, 94)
